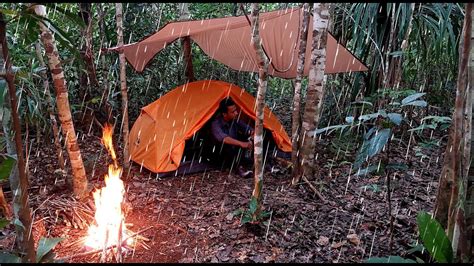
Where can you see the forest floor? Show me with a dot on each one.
(190, 218)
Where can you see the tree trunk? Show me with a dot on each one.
(123, 87)
(23, 210)
(87, 46)
(262, 61)
(469, 203)
(462, 82)
(456, 218)
(315, 94)
(386, 70)
(105, 69)
(64, 111)
(52, 116)
(186, 43)
(399, 60)
(296, 117)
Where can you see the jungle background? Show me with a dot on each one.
(377, 200)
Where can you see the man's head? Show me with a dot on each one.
(228, 109)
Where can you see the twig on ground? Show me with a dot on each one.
(99, 250)
(314, 189)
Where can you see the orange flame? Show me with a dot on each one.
(108, 202)
(107, 140)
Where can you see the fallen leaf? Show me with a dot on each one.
(323, 241)
(339, 244)
(354, 239)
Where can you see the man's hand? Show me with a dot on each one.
(246, 145)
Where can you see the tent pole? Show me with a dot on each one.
(189, 73)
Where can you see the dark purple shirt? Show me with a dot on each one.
(221, 129)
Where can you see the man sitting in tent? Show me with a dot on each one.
(231, 138)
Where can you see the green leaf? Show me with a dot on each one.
(437, 119)
(423, 126)
(17, 222)
(73, 17)
(412, 97)
(416, 103)
(3, 91)
(330, 129)
(378, 141)
(246, 219)
(434, 238)
(367, 170)
(395, 118)
(397, 166)
(390, 259)
(45, 245)
(6, 167)
(238, 212)
(368, 116)
(6, 257)
(253, 205)
(3, 222)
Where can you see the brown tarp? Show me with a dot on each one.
(228, 40)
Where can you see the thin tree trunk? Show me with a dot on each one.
(456, 219)
(260, 103)
(186, 43)
(64, 111)
(399, 60)
(123, 87)
(469, 205)
(105, 69)
(462, 82)
(296, 117)
(386, 78)
(87, 47)
(21, 191)
(52, 116)
(315, 94)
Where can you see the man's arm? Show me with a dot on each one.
(232, 141)
(221, 136)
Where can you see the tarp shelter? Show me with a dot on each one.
(228, 40)
(157, 139)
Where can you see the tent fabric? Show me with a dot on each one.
(228, 40)
(158, 136)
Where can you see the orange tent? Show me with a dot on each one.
(157, 138)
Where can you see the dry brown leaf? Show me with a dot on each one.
(339, 244)
(354, 239)
(323, 241)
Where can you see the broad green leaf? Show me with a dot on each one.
(434, 238)
(363, 102)
(45, 245)
(416, 103)
(368, 116)
(330, 129)
(412, 97)
(6, 167)
(238, 212)
(390, 259)
(3, 222)
(397, 166)
(3, 91)
(395, 118)
(246, 218)
(253, 205)
(361, 155)
(6, 257)
(437, 119)
(17, 222)
(423, 126)
(378, 141)
(367, 170)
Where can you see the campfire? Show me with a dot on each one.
(109, 227)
